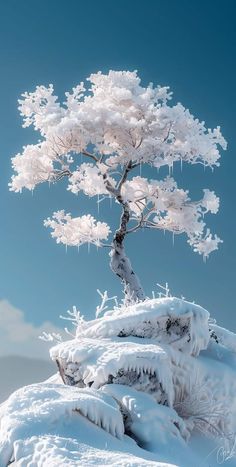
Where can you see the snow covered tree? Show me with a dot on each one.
(118, 126)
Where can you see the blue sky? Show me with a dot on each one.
(188, 45)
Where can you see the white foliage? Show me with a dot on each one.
(39, 108)
(89, 179)
(78, 230)
(206, 244)
(34, 166)
(115, 123)
(162, 205)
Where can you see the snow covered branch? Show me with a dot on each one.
(76, 231)
(162, 205)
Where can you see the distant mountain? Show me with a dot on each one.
(18, 371)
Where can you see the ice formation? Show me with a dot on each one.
(139, 384)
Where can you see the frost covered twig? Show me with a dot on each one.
(75, 318)
(166, 289)
(198, 405)
(102, 307)
(50, 337)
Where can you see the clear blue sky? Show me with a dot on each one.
(188, 45)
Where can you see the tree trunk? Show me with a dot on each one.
(120, 263)
(121, 266)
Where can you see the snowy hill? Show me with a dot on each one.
(19, 371)
(148, 384)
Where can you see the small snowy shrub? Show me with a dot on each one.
(199, 405)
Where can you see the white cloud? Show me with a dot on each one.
(19, 337)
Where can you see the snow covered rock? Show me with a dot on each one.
(223, 336)
(205, 390)
(93, 363)
(146, 384)
(168, 320)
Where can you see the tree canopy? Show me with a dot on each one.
(118, 125)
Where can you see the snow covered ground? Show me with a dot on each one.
(147, 385)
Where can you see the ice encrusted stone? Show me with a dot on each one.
(169, 320)
(94, 363)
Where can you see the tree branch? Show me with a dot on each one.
(62, 173)
(136, 227)
(88, 154)
(124, 176)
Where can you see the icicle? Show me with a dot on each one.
(66, 248)
(78, 247)
(110, 201)
(167, 289)
(88, 247)
(140, 169)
